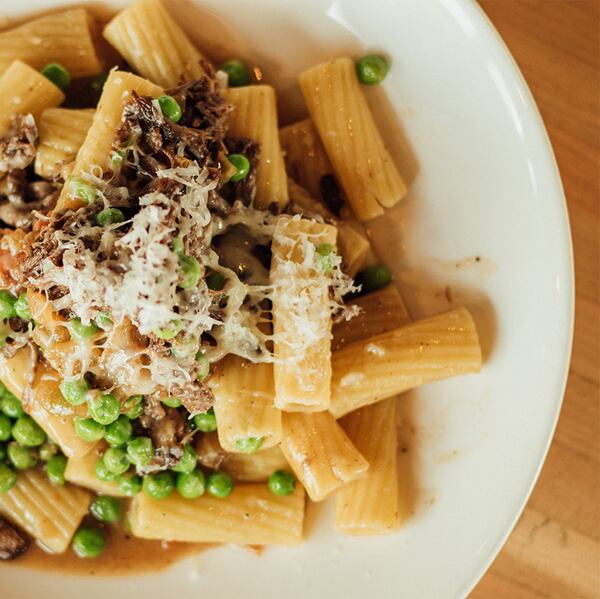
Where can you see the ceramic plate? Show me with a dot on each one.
(485, 225)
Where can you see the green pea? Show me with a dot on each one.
(326, 255)
(21, 457)
(22, 307)
(191, 484)
(5, 427)
(219, 484)
(82, 190)
(7, 304)
(206, 422)
(104, 408)
(8, 478)
(80, 331)
(102, 472)
(159, 486)
(10, 405)
(118, 432)
(106, 509)
(130, 484)
(2, 452)
(170, 108)
(372, 69)
(28, 432)
(282, 483)
(103, 320)
(109, 216)
(47, 451)
(188, 460)
(215, 281)
(88, 542)
(373, 278)
(56, 73)
(55, 469)
(242, 165)
(203, 366)
(170, 331)
(249, 444)
(191, 270)
(140, 450)
(133, 407)
(177, 245)
(88, 429)
(237, 72)
(116, 460)
(74, 391)
(171, 402)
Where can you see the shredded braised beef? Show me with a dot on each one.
(19, 196)
(166, 428)
(17, 147)
(13, 543)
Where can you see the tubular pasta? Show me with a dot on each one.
(96, 148)
(62, 131)
(301, 384)
(370, 505)
(251, 515)
(50, 513)
(244, 403)
(63, 37)
(255, 118)
(341, 115)
(428, 350)
(320, 453)
(155, 46)
(22, 91)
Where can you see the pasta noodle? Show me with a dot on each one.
(44, 402)
(80, 471)
(62, 37)
(255, 118)
(61, 131)
(300, 384)
(251, 515)
(244, 404)
(22, 91)
(346, 127)
(370, 505)
(305, 158)
(425, 351)
(353, 244)
(320, 453)
(50, 513)
(95, 150)
(252, 468)
(381, 311)
(150, 40)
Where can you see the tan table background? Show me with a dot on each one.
(554, 551)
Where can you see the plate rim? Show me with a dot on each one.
(478, 14)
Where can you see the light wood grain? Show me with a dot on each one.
(554, 551)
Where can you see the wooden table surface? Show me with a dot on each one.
(554, 551)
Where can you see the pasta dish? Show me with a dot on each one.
(196, 334)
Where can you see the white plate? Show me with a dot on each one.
(486, 185)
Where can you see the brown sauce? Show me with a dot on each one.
(124, 555)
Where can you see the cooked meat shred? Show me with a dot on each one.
(17, 147)
(13, 543)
